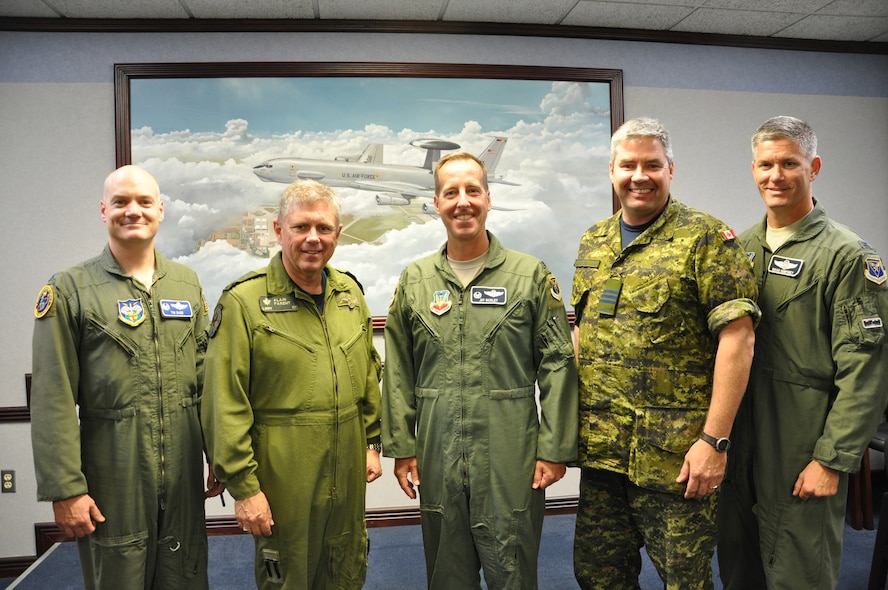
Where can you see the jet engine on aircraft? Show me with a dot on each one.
(396, 200)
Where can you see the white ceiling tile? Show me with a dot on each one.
(855, 8)
(737, 22)
(250, 8)
(836, 28)
(379, 9)
(839, 20)
(797, 6)
(508, 11)
(624, 15)
(120, 9)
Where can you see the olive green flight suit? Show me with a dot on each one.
(461, 365)
(131, 361)
(817, 391)
(292, 399)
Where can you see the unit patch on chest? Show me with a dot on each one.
(441, 302)
(131, 312)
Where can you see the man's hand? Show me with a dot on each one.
(403, 469)
(254, 515)
(703, 469)
(547, 473)
(77, 515)
(816, 481)
(214, 486)
(374, 466)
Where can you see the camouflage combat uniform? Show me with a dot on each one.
(648, 317)
(817, 390)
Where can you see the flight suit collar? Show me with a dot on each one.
(110, 264)
(496, 255)
(278, 282)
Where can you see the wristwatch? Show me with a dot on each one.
(374, 447)
(719, 444)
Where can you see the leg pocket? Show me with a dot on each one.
(346, 560)
(181, 565)
(111, 560)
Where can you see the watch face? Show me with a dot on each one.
(722, 445)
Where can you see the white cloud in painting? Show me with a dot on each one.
(558, 160)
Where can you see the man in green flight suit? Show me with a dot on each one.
(665, 304)
(123, 337)
(292, 405)
(470, 331)
(817, 389)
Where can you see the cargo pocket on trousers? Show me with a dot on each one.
(119, 558)
(179, 563)
(663, 437)
(347, 564)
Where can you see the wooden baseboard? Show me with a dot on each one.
(47, 534)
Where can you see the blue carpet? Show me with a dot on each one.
(396, 561)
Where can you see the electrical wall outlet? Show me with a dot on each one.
(7, 480)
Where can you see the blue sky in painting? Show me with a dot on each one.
(331, 104)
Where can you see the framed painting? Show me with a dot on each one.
(224, 139)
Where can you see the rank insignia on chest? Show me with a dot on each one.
(176, 309)
(441, 303)
(347, 300)
(131, 312)
(875, 270)
(488, 295)
(787, 267)
(610, 296)
(278, 303)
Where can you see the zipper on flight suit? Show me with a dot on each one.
(464, 461)
(329, 300)
(155, 325)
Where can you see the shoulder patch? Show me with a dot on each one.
(45, 299)
(216, 321)
(554, 291)
(875, 270)
(728, 235)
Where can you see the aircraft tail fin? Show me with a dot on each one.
(492, 153)
(372, 154)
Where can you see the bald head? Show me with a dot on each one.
(131, 174)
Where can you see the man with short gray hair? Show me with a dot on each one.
(817, 388)
(665, 306)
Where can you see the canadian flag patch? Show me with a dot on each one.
(729, 235)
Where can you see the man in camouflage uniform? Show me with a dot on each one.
(665, 304)
(817, 388)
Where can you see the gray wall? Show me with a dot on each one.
(57, 145)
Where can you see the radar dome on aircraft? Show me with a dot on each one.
(428, 143)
